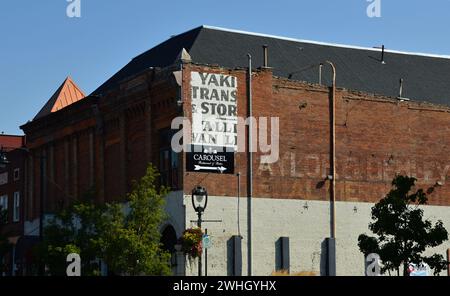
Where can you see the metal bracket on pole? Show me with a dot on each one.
(192, 221)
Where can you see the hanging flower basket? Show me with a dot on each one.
(191, 242)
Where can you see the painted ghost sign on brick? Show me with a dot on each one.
(214, 123)
(214, 110)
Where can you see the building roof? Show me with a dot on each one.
(11, 142)
(67, 94)
(425, 77)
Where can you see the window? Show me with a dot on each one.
(168, 168)
(168, 160)
(282, 255)
(4, 209)
(4, 178)
(16, 174)
(16, 212)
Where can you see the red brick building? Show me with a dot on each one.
(392, 116)
(12, 196)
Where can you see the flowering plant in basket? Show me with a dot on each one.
(191, 242)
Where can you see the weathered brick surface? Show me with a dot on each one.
(376, 137)
(101, 143)
(107, 142)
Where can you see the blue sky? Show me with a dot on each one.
(40, 45)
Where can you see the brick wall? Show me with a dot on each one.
(376, 137)
(16, 158)
(100, 144)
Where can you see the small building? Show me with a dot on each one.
(392, 115)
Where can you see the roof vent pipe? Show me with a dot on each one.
(265, 55)
(320, 73)
(382, 53)
(400, 91)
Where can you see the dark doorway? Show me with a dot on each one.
(168, 241)
(169, 238)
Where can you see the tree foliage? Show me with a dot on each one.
(125, 237)
(135, 237)
(402, 234)
(5, 245)
(5, 248)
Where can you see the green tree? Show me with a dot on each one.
(402, 234)
(126, 237)
(74, 230)
(134, 246)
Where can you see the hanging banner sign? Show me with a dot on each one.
(207, 243)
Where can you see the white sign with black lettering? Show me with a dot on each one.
(214, 109)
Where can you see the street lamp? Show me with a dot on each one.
(199, 202)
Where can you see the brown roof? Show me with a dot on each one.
(67, 94)
(10, 142)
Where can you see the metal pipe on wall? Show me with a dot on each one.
(333, 152)
(239, 203)
(250, 168)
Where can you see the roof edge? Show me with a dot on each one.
(10, 135)
(324, 43)
(172, 36)
(39, 120)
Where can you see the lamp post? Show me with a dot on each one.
(199, 202)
